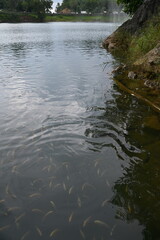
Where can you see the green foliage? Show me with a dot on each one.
(91, 6)
(15, 17)
(146, 40)
(129, 47)
(130, 6)
(76, 18)
(38, 6)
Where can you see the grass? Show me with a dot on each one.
(129, 47)
(76, 18)
(146, 40)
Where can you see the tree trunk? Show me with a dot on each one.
(144, 13)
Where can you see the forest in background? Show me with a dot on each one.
(74, 6)
(90, 6)
(27, 5)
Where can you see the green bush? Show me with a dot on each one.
(146, 40)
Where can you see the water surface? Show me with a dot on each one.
(79, 159)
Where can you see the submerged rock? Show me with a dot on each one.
(132, 75)
(152, 84)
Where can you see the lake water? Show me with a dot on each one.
(79, 158)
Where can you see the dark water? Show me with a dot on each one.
(79, 159)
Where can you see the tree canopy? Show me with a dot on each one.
(97, 6)
(38, 6)
(93, 6)
(130, 6)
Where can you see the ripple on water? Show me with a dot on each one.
(76, 160)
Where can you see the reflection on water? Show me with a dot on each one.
(136, 193)
(79, 158)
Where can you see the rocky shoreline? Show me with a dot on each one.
(140, 76)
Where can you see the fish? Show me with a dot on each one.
(36, 210)
(97, 162)
(50, 184)
(34, 195)
(87, 185)
(37, 180)
(27, 160)
(64, 186)
(112, 230)
(4, 228)
(7, 189)
(14, 169)
(39, 231)
(47, 214)
(53, 204)
(107, 183)
(70, 217)
(57, 185)
(46, 168)
(98, 171)
(54, 232)
(82, 234)
(13, 208)
(37, 150)
(25, 235)
(79, 202)
(86, 221)
(52, 177)
(19, 217)
(8, 192)
(102, 174)
(52, 145)
(104, 203)
(2, 201)
(70, 190)
(13, 195)
(68, 177)
(13, 153)
(101, 223)
(49, 168)
(66, 165)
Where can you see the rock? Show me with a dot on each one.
(119, 70)
(111, 46)
(145, 12)
(132, 75)
(152, 84)
(151, 60)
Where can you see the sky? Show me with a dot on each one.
(55, 4)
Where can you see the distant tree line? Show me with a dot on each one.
(99, 6)
(93, 6)
(38, 6)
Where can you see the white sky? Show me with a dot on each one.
(55, 4)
